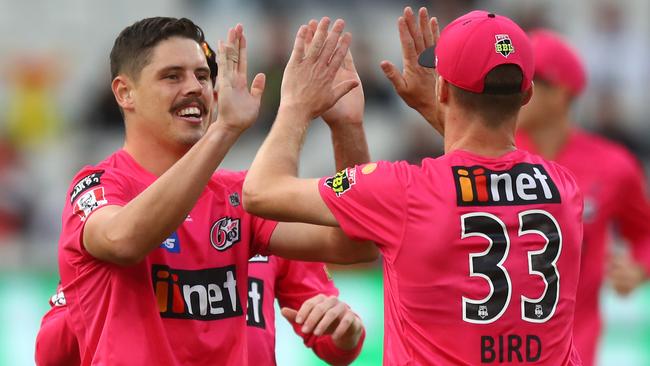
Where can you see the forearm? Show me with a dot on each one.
(350, 145)
(276, 164)
(129, 234)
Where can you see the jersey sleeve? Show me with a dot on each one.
(369, 201)
(262, 231)
(91, 190)
(633, 211)
(298, 282)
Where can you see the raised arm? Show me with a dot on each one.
(126, 234)
(272, 188)
(415, 84)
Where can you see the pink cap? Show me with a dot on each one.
(557, 62)
(474, 44)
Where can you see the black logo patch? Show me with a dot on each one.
(342, 181)
(206, 294)
(524, 184)
(234, 199)
(504, 45)
(254, 313)
(225, 233)
(85, 183)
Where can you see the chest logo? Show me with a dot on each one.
(225, 233)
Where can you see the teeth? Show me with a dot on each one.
(189, 111)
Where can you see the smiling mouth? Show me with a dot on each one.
(192, 114)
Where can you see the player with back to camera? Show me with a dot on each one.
(131, 300)
(481, 246)
(610, 178)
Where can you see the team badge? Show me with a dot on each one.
(504, 45)
(85, 183)
(234, 199)
(225, 233)
(342, 181)
(89, 202)
(172, 244)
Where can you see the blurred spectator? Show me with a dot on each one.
(15, 193)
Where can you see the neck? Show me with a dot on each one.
(470, 133)
(549, 137)
(152, 155)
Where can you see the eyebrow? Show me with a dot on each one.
(180, 68)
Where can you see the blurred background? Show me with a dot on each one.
(57, 114)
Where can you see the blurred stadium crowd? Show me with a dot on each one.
(57, 112)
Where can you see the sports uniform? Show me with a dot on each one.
(464, 249)
(183, 304)
(56, 344)
(292, 283)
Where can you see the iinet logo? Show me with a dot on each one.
(524, 184)
(206, 294)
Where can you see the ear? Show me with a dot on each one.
(123, 90)
(442, 90)
(528, 94)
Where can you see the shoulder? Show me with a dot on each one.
(228, 178)
(606, 151)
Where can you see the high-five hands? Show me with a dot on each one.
(238, 107)
(323, 315)
(415, 84)
(309, 83)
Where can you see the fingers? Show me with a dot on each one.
(342, 48)
(344, 87)
(298, 53)
(349, 322)
(257, 87)
(333, 40)
(413, 29)
(394, 75)
(409, 52)
(243, 56)
(289, 314)
(435, 29)
(330, 317)
(425, 28)
(311, 30)
(306, 308)
(318, 41)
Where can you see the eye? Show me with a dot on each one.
(203, 77)
(172, 77)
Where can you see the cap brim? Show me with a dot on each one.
(428, 57)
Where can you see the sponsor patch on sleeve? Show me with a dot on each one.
(85, 183)
(89, 201)
(342, 181)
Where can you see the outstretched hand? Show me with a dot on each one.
(237, 106)
(323, 315)
(415, 84)
(309, 83)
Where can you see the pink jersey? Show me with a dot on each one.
(292, 283)
(56, 344)
(481, 255)
(182, 305)
(614, 191)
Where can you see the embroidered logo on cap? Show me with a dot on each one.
(504, 45)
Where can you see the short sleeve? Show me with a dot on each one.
(91, 190)
(262, 231)
(369, 201)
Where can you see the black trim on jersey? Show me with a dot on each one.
(83, 184)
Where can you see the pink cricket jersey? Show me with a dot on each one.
(613, 186)
(185, 303)
(481, 255)
(292, 283)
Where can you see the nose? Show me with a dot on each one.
(193, 85)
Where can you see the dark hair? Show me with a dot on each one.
(132, 48)
(501, 97)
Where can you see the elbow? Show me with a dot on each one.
(122, 251)
(251, 199)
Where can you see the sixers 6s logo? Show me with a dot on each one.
(225, 233)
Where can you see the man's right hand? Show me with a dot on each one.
(415, 84)
(237, 107)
